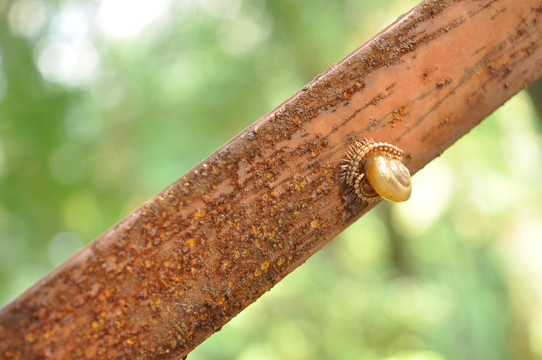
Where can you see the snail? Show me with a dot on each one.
(375, 169)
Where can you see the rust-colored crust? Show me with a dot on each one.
(174, 271)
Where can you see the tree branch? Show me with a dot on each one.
(178, 268)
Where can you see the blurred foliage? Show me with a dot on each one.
(103, 104)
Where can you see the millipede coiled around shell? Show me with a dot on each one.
(375, 169)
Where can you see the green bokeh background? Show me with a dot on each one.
(103, 104)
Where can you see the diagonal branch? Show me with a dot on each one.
(178, 268)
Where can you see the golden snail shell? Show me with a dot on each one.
(389, 177)
(376, 169)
